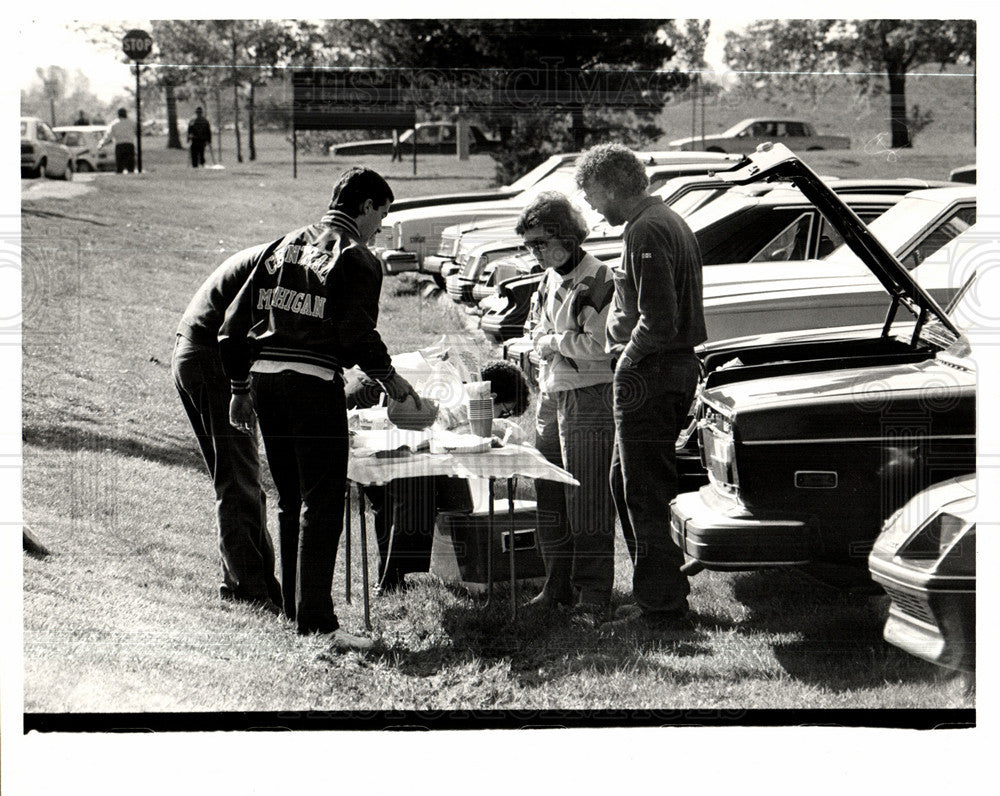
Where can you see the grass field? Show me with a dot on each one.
(124, 615)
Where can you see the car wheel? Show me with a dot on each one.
(440, 281)
(815, 149)
(83, 166)
(68, 171)
(716, 149)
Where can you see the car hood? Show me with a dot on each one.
(776, 162)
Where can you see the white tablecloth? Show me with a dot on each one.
(506, 462)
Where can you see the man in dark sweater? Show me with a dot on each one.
(309, 310)
(231, 456)
(655, 321)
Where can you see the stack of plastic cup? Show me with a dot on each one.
(480, 404)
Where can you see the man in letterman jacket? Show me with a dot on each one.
(309, 310)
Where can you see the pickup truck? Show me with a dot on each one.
(744, 137)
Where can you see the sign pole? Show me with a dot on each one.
(137, 44)
(138, 121)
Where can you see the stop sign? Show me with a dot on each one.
(137, 44)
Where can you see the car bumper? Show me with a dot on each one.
(726, 537)
(933, 618)
(435, 264)
(395, 261)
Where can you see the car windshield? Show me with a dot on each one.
(527, 180)
(561, 180)
(896, 227)
(732, 201)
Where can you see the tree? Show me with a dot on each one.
(896, 46)
(499, 51)
(784, 53)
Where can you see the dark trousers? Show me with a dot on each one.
(124, 157)
(303, 420)
(651, 403)
(232, 461)
(197, 153)
(576, 525)
(405, 511)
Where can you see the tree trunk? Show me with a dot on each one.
(236, 107)
(251, 145)
(897, 106)
(173, 135)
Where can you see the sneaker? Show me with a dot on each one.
(631, 618)
(545, 600)
(590, 615)
(342, 640)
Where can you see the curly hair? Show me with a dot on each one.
(557, 215)
(509, 384)
(615, 167)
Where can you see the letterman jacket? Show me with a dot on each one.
(311, 300)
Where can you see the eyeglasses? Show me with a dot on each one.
(538, 245)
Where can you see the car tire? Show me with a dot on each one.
(815, 149)
(718, 149)
(440, 281)
(83, 166)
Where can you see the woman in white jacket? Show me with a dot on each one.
(575, 427)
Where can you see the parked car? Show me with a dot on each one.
(747, 135)
(42, 154)
(522, 183)
(774, 232)
(407, 237)
(432, 138)
(810, 446)
(82, 142)
(925, 559)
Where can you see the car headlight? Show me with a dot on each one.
(933, 538)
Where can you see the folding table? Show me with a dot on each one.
(505, 462)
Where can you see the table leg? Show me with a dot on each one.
(347, 544)
(489, 545)
(513, 567)
(364, 558)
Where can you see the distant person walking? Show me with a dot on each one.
(397, 153)
(199, 136)
(122, 132)
(81, 119)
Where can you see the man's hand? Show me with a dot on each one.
(398, 389)
(241, 414)
(545, 346)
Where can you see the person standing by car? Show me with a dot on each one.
(575, 428)
(231, 456)
(199, 135)
(655, 321)
(309, 310)
(122, 132)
